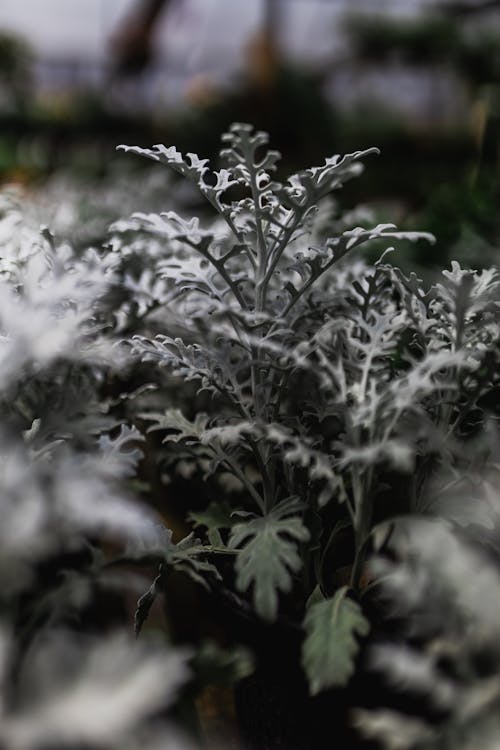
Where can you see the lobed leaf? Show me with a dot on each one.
(268, 555)
(330, 645)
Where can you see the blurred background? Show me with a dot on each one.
(420, 79)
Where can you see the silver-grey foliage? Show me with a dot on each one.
(64, 461)
(325, 372)
(260, 353)
(445, 588)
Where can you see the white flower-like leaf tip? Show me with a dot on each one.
(332, 161)
(169, 152)
(337, 160)
(274, 154)
(383, 227)
(260, 138)
(184, 223)
(387, 251)
(123, 225)
(139, 150)
(196, 162)
(240, 127)
(431, 238)
(360, 154)
(141, 216)
(224, 180)
(368, 151)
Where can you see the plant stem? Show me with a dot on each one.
(363, 503)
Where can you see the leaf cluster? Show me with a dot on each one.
(324, 380)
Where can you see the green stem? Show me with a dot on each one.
(235, 469)
(363, 504)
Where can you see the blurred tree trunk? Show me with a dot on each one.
(264, 49)
(272, 20)
(132, 44)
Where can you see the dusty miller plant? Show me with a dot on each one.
(65, 460)
(328, 378)
(440, 581)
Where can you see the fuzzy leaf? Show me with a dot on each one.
(174, 421)
(330, 645)
(394, 731)
(268, 554)
(90, 692)
(120, 458)
(216, 516)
